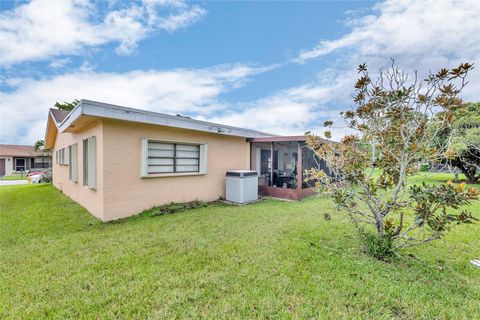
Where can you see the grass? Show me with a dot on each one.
(15, 177)
(272, 259)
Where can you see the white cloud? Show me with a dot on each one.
(423, 35)
(292, 111)
(411, 28)
(23, 110)
(419, 35)
(59, 63)
(43, 29)
(174, 22)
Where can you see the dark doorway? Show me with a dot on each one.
(2, 167)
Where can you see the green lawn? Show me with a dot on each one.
(271, 259)
(15, 177)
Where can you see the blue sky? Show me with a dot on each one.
(282, 67)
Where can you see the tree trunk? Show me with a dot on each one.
(380, 228)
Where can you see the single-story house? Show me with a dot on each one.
(117, 161)
(21, 159)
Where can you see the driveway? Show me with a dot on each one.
(12, 182)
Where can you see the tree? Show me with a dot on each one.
(38, 145)
(67, 106)
(464, 148)
(394, 113)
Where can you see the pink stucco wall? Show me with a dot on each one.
(122, 192)
(90, 199)
(127, 193)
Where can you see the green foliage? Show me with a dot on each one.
(432, 202)
(20, 176)
(38, 145)
(174, 207)
(67, 106)
(464, 151)
(424, 167)
(47, 177)
(380, 248)
(466, 127)
(460, 142)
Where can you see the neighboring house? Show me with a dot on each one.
(20, 159)
(117, 161)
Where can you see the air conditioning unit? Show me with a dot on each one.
(241, 186)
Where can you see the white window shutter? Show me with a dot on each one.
(73, 161)
(67, 156)
(92, 162)
(70, 168)
(203, 158)
(85, 162)
(144, 158)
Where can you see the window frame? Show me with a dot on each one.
(44, 163)
(24, 165)
(202, 158)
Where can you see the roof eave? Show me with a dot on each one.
(47, 143)
(103, 110)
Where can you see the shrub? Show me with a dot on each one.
(424, 167)
(392, 120)
(47, 177)
(174, 207)
(380, 248)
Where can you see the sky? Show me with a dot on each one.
(281, 67)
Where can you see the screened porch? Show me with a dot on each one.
(281, 173)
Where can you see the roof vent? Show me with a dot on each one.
(223, 130)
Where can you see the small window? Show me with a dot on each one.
(90, 162)
(160, 157)
(62, 157)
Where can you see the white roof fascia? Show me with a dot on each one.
(105, 110)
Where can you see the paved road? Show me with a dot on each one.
(12, 182)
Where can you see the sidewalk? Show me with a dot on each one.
(12, 182)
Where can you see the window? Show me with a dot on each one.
(41, 162)
(90, 162)
(20, 164)
(73, 161)
(62, 157)
(161, 157)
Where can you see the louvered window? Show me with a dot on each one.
(169, 158)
